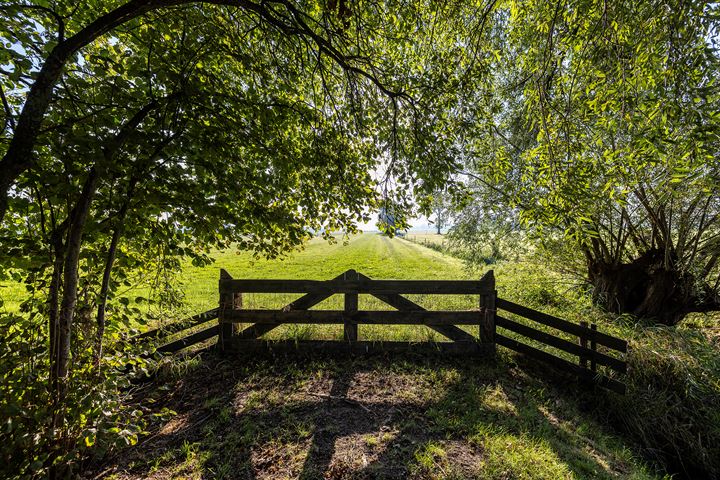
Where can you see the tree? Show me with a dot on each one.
(76, 28)
(621, 102)
(137, 135)
(441, 209)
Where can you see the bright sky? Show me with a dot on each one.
(418, 224)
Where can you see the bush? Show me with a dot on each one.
(95, 416)
(673, 403)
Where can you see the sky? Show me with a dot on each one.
(417, 224)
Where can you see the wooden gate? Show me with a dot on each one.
(351, 284)
(518, 328)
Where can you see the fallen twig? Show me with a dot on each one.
(344, 399)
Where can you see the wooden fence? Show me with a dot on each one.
(592, 348)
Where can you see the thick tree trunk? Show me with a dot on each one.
(648, 289)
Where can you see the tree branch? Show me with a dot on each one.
(19, 156)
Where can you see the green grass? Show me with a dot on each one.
(405, 417)
(374, 255)
(424, 238)
(671, 407)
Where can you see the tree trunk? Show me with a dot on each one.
(78, 216)
(109, 261)
(102, 301)
(54, 303)
(60, 359)
(53, 324)
(646, 288)
(70, 280)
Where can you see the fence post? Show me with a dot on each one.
(582, 341)
(487, 313)
(593, 347)
(351, 306)
(228, 301)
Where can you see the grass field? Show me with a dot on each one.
(373, 255)
(418, 417)
(427, 238)
(373, 417)
(379, 257)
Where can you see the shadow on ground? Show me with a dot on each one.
(378, 417)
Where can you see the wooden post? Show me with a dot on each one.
(593, 347)
(351, 306)
(487, 313)
(228, 301)
(582, 341)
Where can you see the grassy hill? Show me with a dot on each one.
(374, 417)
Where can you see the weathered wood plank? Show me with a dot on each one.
(190, 340)
(593, 347)
(569, 327)
(562, 344)
(561, 364)
(372, 317)
(350, 328)
(582, 341)
(168, 330)
(303, 303)
(403, 304)
(227, 303)
(487, 311)
(453, 287)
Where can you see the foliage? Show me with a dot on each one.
(138, 133)
(484, 234)
(613, 143)
(674, 404)
(96, 412)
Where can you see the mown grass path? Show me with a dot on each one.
(374, 255)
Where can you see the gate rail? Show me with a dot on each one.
(592, 348)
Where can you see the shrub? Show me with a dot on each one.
(96, 415)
